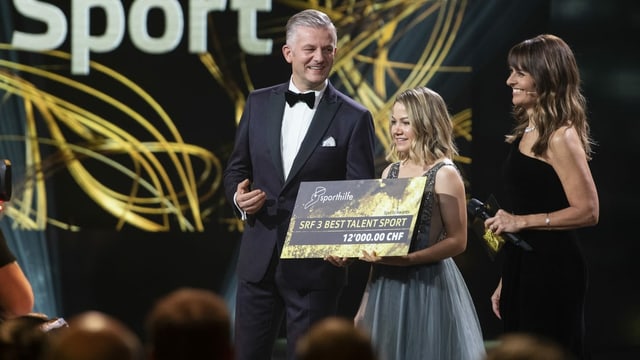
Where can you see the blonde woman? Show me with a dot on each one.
(418, 306)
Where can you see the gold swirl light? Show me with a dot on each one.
(157, 194)
(367, 68)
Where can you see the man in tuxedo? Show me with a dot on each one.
(282, 140)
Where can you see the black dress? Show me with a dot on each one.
(543, 291)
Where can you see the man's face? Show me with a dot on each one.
(311, 55)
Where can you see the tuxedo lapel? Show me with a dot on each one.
(274, 114)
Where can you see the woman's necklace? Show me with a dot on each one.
(529, 129)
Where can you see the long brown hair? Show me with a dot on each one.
(560, 102)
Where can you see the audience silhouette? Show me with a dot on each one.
(189, 323)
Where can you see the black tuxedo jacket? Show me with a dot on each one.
(257, 156)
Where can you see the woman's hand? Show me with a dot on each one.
(495, 300)
(503, 221)
(373, 257)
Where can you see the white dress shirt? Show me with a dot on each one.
(295, 124)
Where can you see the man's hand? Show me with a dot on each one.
(249, 201)
(339, 261)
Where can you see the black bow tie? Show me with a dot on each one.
(293, 98)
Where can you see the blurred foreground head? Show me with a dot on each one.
(189, 323)
(335, 338)
(23, 337)
(93, 335)
(522, 346)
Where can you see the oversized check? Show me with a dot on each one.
(343, 218)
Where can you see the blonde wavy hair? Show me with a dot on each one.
(431, 123)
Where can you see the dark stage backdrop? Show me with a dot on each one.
(119, 119)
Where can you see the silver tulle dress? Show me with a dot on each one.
(421, 312)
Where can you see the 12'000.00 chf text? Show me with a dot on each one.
(374, 237)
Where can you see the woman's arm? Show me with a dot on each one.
(16, 294)
(568, 158)
(449, 189)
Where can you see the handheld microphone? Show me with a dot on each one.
(476, 208)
